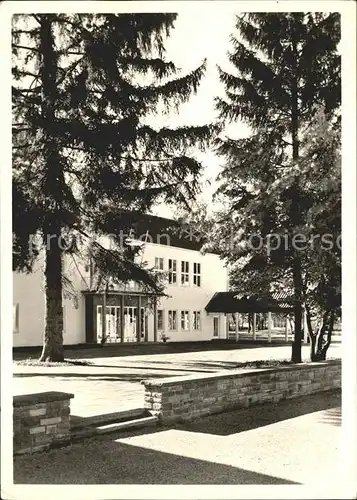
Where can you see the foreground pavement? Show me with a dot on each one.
(294, 442)
(112, 384)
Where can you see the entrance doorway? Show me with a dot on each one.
(113, 324)
(130, 323)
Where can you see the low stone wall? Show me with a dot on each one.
(185, 398)
(40, 421)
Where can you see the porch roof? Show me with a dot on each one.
(122, 292)
(232, 302)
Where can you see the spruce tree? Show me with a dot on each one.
(85, 158)
(284, 65)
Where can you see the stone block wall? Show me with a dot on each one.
(177, 399)
(40, 421)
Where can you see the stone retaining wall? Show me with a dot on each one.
(185, 398)
(40, 421)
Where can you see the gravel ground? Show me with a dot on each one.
(292, 442)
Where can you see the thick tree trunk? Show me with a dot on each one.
(53, 335)
(295, 214)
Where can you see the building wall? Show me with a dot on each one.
(189, 298)
(28, 297)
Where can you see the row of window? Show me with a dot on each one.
(188, 320)
(172, 269)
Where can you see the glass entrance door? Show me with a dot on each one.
(112, 325)
(130, 323)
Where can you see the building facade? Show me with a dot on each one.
(130, 315)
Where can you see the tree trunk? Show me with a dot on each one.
(53, 334)
(325, 347)
(323, 344)
(312, 337)
(295, 214)
(298, 335)
(320, 344)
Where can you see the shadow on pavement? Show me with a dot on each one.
(225, 424)
(332, 416)
(111, 462)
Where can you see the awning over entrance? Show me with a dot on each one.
(234, 302)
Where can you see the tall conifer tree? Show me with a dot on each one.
(84, 154)
(285, 64)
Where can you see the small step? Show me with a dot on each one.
(129, 424)
(78, 423)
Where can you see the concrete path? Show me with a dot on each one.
(112, 384)
(292, 442)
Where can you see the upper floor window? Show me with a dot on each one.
(172, 320)
(185, 273)
(197, 274)
(159, 264)
(196, 320)
(185, 320)
(172, 271)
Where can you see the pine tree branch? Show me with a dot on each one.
(67, 70)
(36, 18)
(20, 32)
(25, 91)
(23, 146)
(33, 49)
(27, 73)
(74, 53)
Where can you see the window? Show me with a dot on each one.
(160, 319)
(216, 326)
(185, 320)
(197, 274)
(159, 264)
(172, 271)
(197, 320)
(15, 318)
(172, 320)
(185, 273)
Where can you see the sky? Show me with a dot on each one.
(189, 44)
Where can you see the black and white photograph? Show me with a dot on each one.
(171, 249)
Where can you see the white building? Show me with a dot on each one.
(131, 315)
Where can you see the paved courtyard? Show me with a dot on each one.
(293, 442)
(112, 383)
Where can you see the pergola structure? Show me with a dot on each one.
(236, 303)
